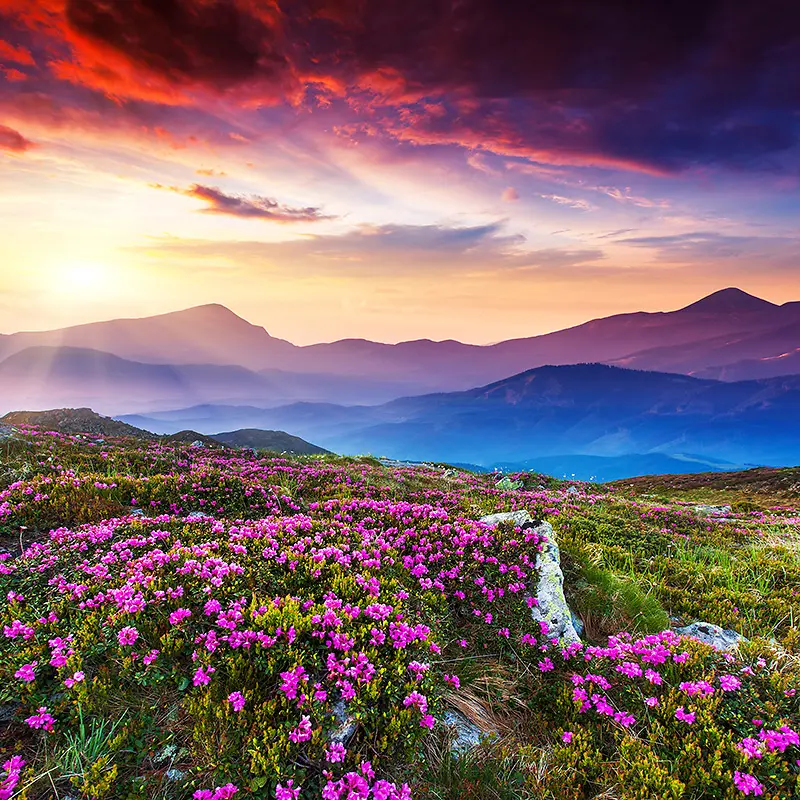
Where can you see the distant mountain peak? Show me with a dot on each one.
(727, 301)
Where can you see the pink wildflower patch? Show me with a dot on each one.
(128, 636)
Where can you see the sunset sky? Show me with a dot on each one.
(395, 169)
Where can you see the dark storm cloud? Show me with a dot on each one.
(247, 206)
(655, 86)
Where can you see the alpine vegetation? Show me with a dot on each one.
(181, 621)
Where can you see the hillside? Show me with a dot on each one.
(202, 622)
(75, 421)
(84, 421)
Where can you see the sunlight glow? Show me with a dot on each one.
(85, 279)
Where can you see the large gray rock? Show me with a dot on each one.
(552, 606)
(708, 633)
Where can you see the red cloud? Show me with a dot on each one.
(16, 55)
(172, 51)
(615, 84)
(13, 140)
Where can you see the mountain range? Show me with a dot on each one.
(715, 382)
(585, 409)
(208, 354)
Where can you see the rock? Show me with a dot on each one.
(465, 734)
(198, 515)
(347, 725)
(577, 623)
(708, 633)
(175, 774)
(518, 518)
(8, 712)
(552, 606)
(712, 511)
(198, 443)
(137, 512)
(572, 490)
(6, 432)
(505, 484)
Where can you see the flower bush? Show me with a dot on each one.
(208, 623)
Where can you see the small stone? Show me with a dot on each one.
(712, 511)
(466, 734)
(713, 635)
(347, 725)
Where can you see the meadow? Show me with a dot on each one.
(202, 622)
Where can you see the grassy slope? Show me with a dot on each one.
(632, 560)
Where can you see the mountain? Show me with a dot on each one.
(586, 409)
(210, 334)
(38, 377)
(600, 469)
(729, 334)
(729, 301)
(269, 440)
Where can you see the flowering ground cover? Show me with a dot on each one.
(194, 622)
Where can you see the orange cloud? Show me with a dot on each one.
(13, 141)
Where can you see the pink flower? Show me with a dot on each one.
(729, 683)
(302, 733)
(566, 737)
(336, 753)
(427, 721)
(13, 767)
(546, 665)
(288, 792)
(41, 720)
(26, 672)
(651, 701)
(454, 680)
(236, 699)
(77, 677)
(418, 700)
(747, 784)
(128, 636)
(150, 657)
(220, 793)
(202, 676)
(685, 716)
(180, 614)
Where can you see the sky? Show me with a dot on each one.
(395, 169)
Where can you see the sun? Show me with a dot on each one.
(85, 278)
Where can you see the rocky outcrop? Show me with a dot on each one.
(552, 606)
